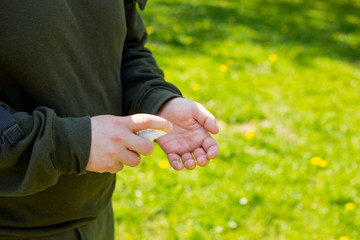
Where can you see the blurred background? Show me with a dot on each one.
(283, 80)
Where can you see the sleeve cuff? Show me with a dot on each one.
(155, 98)
(72, 140)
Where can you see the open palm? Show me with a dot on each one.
(189, 143)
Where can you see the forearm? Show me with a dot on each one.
(52, 146)
(144, 87)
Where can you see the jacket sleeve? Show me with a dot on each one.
(52, 146)
(144, 87)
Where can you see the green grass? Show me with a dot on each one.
(283, 80)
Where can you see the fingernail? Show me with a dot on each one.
(179, 166)
(211, 155)
(190, 167)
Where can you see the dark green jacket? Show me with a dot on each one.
(62, 62)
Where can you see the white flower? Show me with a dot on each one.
(138, 193)
(219, 229)
(232, 224)
(243, 201)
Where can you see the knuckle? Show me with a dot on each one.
(112, 160)
(115, 166)
(118, 121)
(110, 165)
(120, 167)
(146, 120)
(112, 155)
(117, 138)
(141, 119)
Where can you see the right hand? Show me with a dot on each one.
(114, 142)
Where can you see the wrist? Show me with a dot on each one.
(166, 104)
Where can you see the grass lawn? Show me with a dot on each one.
(283, 80)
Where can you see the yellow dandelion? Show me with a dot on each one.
(351, 19)
(323, 164)
(214, 52)
(273, 57)
(188, 40)
(350, 206)
(164, 164)
(223, 68)
(176, 27)
(316, 161)
(250, 134)
(149, 30)
(230, 63)
(128, 236)
(344, 238)
(196, 87)
(168, 37)
(246, 107)
(207, 25)
(354, 45)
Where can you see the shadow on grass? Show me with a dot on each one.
(321, 28)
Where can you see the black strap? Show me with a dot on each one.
(10, 131)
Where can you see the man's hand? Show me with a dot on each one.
(114, 142)
(190, 139)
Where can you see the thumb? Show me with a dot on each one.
(139, 122)
(206, 119)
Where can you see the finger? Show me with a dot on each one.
(201, 158)
(175, 161)
(139, 122)
(188, 161)
(206, 119)
(139, 145)
(130, 158)
(211, 148)
(116, 167)
(213, 152)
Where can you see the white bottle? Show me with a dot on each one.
(151, 134)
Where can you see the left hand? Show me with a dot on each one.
(190, 139)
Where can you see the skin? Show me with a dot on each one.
(187, 144)
(114, 142)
